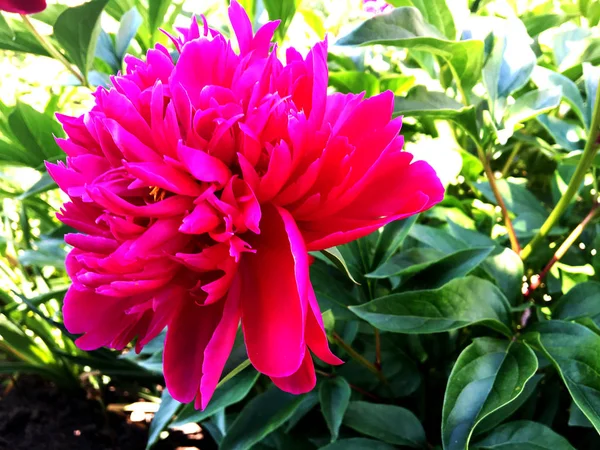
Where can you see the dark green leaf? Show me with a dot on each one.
(436, 238)
(581, 301)
(6, 32)
(334, 255)
(523, 435)
(231, 392)
(455, 305)
(407, 262)
(391, 424)
(573, 349)
(35, 131)
(568, 135)
(577, 418)
(406, 27)
(309, 401)
(398, 84)
(488, 375)
(334, 396)
(156, 14)
(261, 416)
(168, 408)
(77, 30)
(358, 444)
(391, 239)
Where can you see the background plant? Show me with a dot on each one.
(475, 325)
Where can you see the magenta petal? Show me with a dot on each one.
(220, 345)
(315, 333)
(274, 304)
(301, 381)
(203, 166)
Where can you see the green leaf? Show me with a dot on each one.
(283, 10)
(6, 32)
(231, 392)
(130, 23)
(591, 76)
(391, 239)
(50, 14)
(45, 183)
(309, 401)
(500, 415)
(391, 424)
(354, 82)
(509, 65)
(581, 301)
(527, 107)
(546, 79)
(405, 27)
(423, 103)
(156, 14)
(488, 375)
(436, 13)
(398, 84)
(577, 418)
(261, 416)
(436, 238)
(334, 255)
(334, 396)
(455, 305)
(358, 444)
(407, 263)
(168, 408)
(77, 30)
(523, 435)
(573, 349)
(517, 197)
(450, 267)
(568, 135)
(35, 131)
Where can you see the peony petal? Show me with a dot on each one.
(274, 282)
(203, 166)
(316, 339)
(301, 381)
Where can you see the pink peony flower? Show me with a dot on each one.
(376, 6)
(23, 6)
(199, 187)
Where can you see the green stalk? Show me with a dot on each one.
(52, 51)
(586, 161)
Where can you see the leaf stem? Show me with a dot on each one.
(510, 159)
(587, 158)
(537, 279)
(233, 373)
(359, 358)
(54, 53)
(512, 236)
(377, 349)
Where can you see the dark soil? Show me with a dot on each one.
(36, 415)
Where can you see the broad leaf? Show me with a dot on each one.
(581, 301)
(354, 82)
(523, 435)
(283, 10)
(574, 350)
(405, 27)
(488, 375)
(421, 102)
(455, 305)
(156, 14)
(391, 239)
(391, 424)
(77, 30)
(546, 79)
(358, 444)
(334, 396)
(517, 197)
(261, 416)
(232, 391)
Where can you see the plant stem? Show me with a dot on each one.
(54, 53)
(512, 236)
(510, 159)
(535, 282)
(359, 358)
(587, 158)
(377, 349)
(352, 386)
(233, 373)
